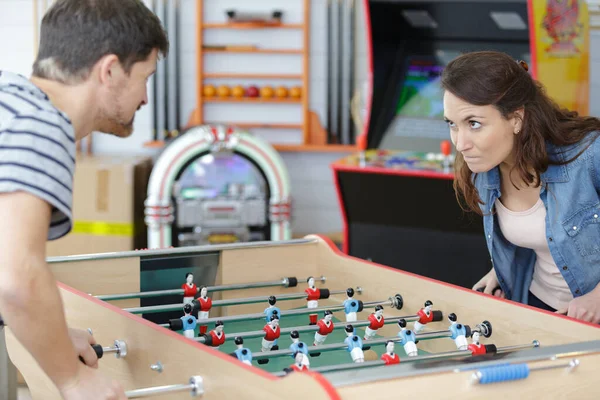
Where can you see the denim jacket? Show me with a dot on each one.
(571, 196)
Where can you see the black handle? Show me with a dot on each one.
(98, 349)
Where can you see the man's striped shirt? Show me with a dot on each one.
(37, 149)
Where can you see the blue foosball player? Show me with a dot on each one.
(272, 310)
(298, 346)
(408, 339)
(352, 306)
(458, 333)
(354, 343)
(189, 321)
(242, 353)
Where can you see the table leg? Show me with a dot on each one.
(8, 372)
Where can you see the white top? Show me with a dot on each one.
(528, 229)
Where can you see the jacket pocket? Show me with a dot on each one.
(584, 229)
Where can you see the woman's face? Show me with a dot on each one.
(480, 133)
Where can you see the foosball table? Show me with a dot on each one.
(299, 319)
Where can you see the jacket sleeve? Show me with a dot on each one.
(596, 157)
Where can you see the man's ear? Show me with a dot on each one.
(108, 69)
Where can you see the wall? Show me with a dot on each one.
(315, 202)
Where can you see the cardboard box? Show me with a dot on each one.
(108, 206)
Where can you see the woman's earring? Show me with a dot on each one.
(517, 132)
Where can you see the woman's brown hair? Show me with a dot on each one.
(494, 78)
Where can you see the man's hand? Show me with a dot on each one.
(585, 308)
(83, 341)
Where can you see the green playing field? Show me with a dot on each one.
(275, 364)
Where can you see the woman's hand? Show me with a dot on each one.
(585, 308)
(489, 285)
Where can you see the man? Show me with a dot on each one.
(94, 61)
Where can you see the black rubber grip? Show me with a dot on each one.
(292, 281)
(195, 305)
(360, 305)
(207, 339)
(175, 324)
(97, 349)
(490, 349)
(324, 294)
(467, 331)
(437, 316)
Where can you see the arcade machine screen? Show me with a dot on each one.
(221, 198)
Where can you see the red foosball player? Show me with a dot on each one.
(189, 288)
(389, 357)
(216, 337)
(425, 316)
(272, 333)
(313, 294)
(325, 328)
(478, 349)
(299, 365)
(376, 322)
(205, 304)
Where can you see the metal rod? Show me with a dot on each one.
(426, 357)
(195, 386)
(309, 328)
(299, 311)
(284, 282)
(223, 303)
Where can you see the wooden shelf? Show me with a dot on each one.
(324, 148)
(250, 100)
(251, 76)
(262, 51)
(252, 25)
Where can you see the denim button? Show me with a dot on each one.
(550, 238)
(565, 268)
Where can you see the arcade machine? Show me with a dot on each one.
(396, 196)
(215, 185)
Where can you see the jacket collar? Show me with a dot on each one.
(554, 173)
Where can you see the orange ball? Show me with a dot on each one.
(224, 91)
(296, 92)
(209, 91)
(266, 91)
(281, 91)
(238, 91)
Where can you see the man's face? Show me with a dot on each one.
(123, 96)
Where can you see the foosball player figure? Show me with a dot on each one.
(189, 321)
(190, 290)
(269, 341)
(298, 365)
(242, 353)
(354, 344)
(216, 337)
(478, 349)
(204, 306)
(325, 326)
(352, 306)
(313, 294)
(376, 321)
(426, 315)
(407, 339)
(458, 332)
(389, 357)
(299, 347)
(272, 310)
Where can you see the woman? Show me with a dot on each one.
(532, 170)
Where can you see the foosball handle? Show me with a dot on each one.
(98, 349)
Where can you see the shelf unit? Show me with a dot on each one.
(314, 137)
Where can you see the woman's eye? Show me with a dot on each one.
(450, 124)
(475, 124)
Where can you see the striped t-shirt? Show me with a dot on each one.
(37, 149)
